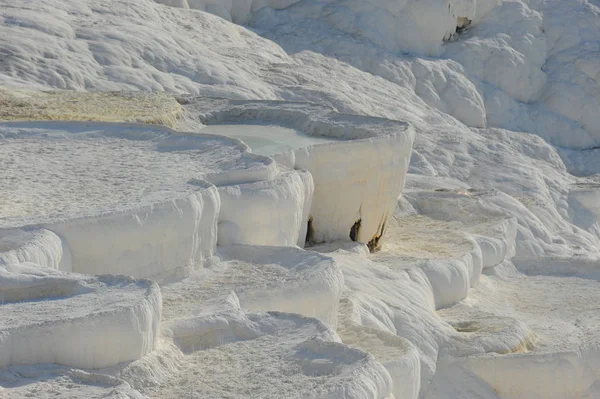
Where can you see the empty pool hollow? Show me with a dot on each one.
(267, 139)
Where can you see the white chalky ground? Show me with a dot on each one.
(502, 183)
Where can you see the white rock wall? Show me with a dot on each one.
(355, 182)
(82, 322)
(358, 178)
(568, 374)
(272, 212)
(145, 241)
(39, 246)
(313, 288)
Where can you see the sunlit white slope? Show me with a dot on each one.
(519, 68)
(524, 66)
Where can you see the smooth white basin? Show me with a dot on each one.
(267, 139)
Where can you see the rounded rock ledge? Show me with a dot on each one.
(358, 176)
(123, 198)
(83, 321)
(259, 278)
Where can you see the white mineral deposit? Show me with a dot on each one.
(300, 199)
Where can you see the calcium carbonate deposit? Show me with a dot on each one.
(300, 199)
(266, 140)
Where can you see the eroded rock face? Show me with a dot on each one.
(271, 212)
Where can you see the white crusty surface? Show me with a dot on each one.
(66, 170)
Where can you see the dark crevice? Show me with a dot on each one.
(310, 233)
(373, 243)
(355, 230)
(462, 25)
(184, 100)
